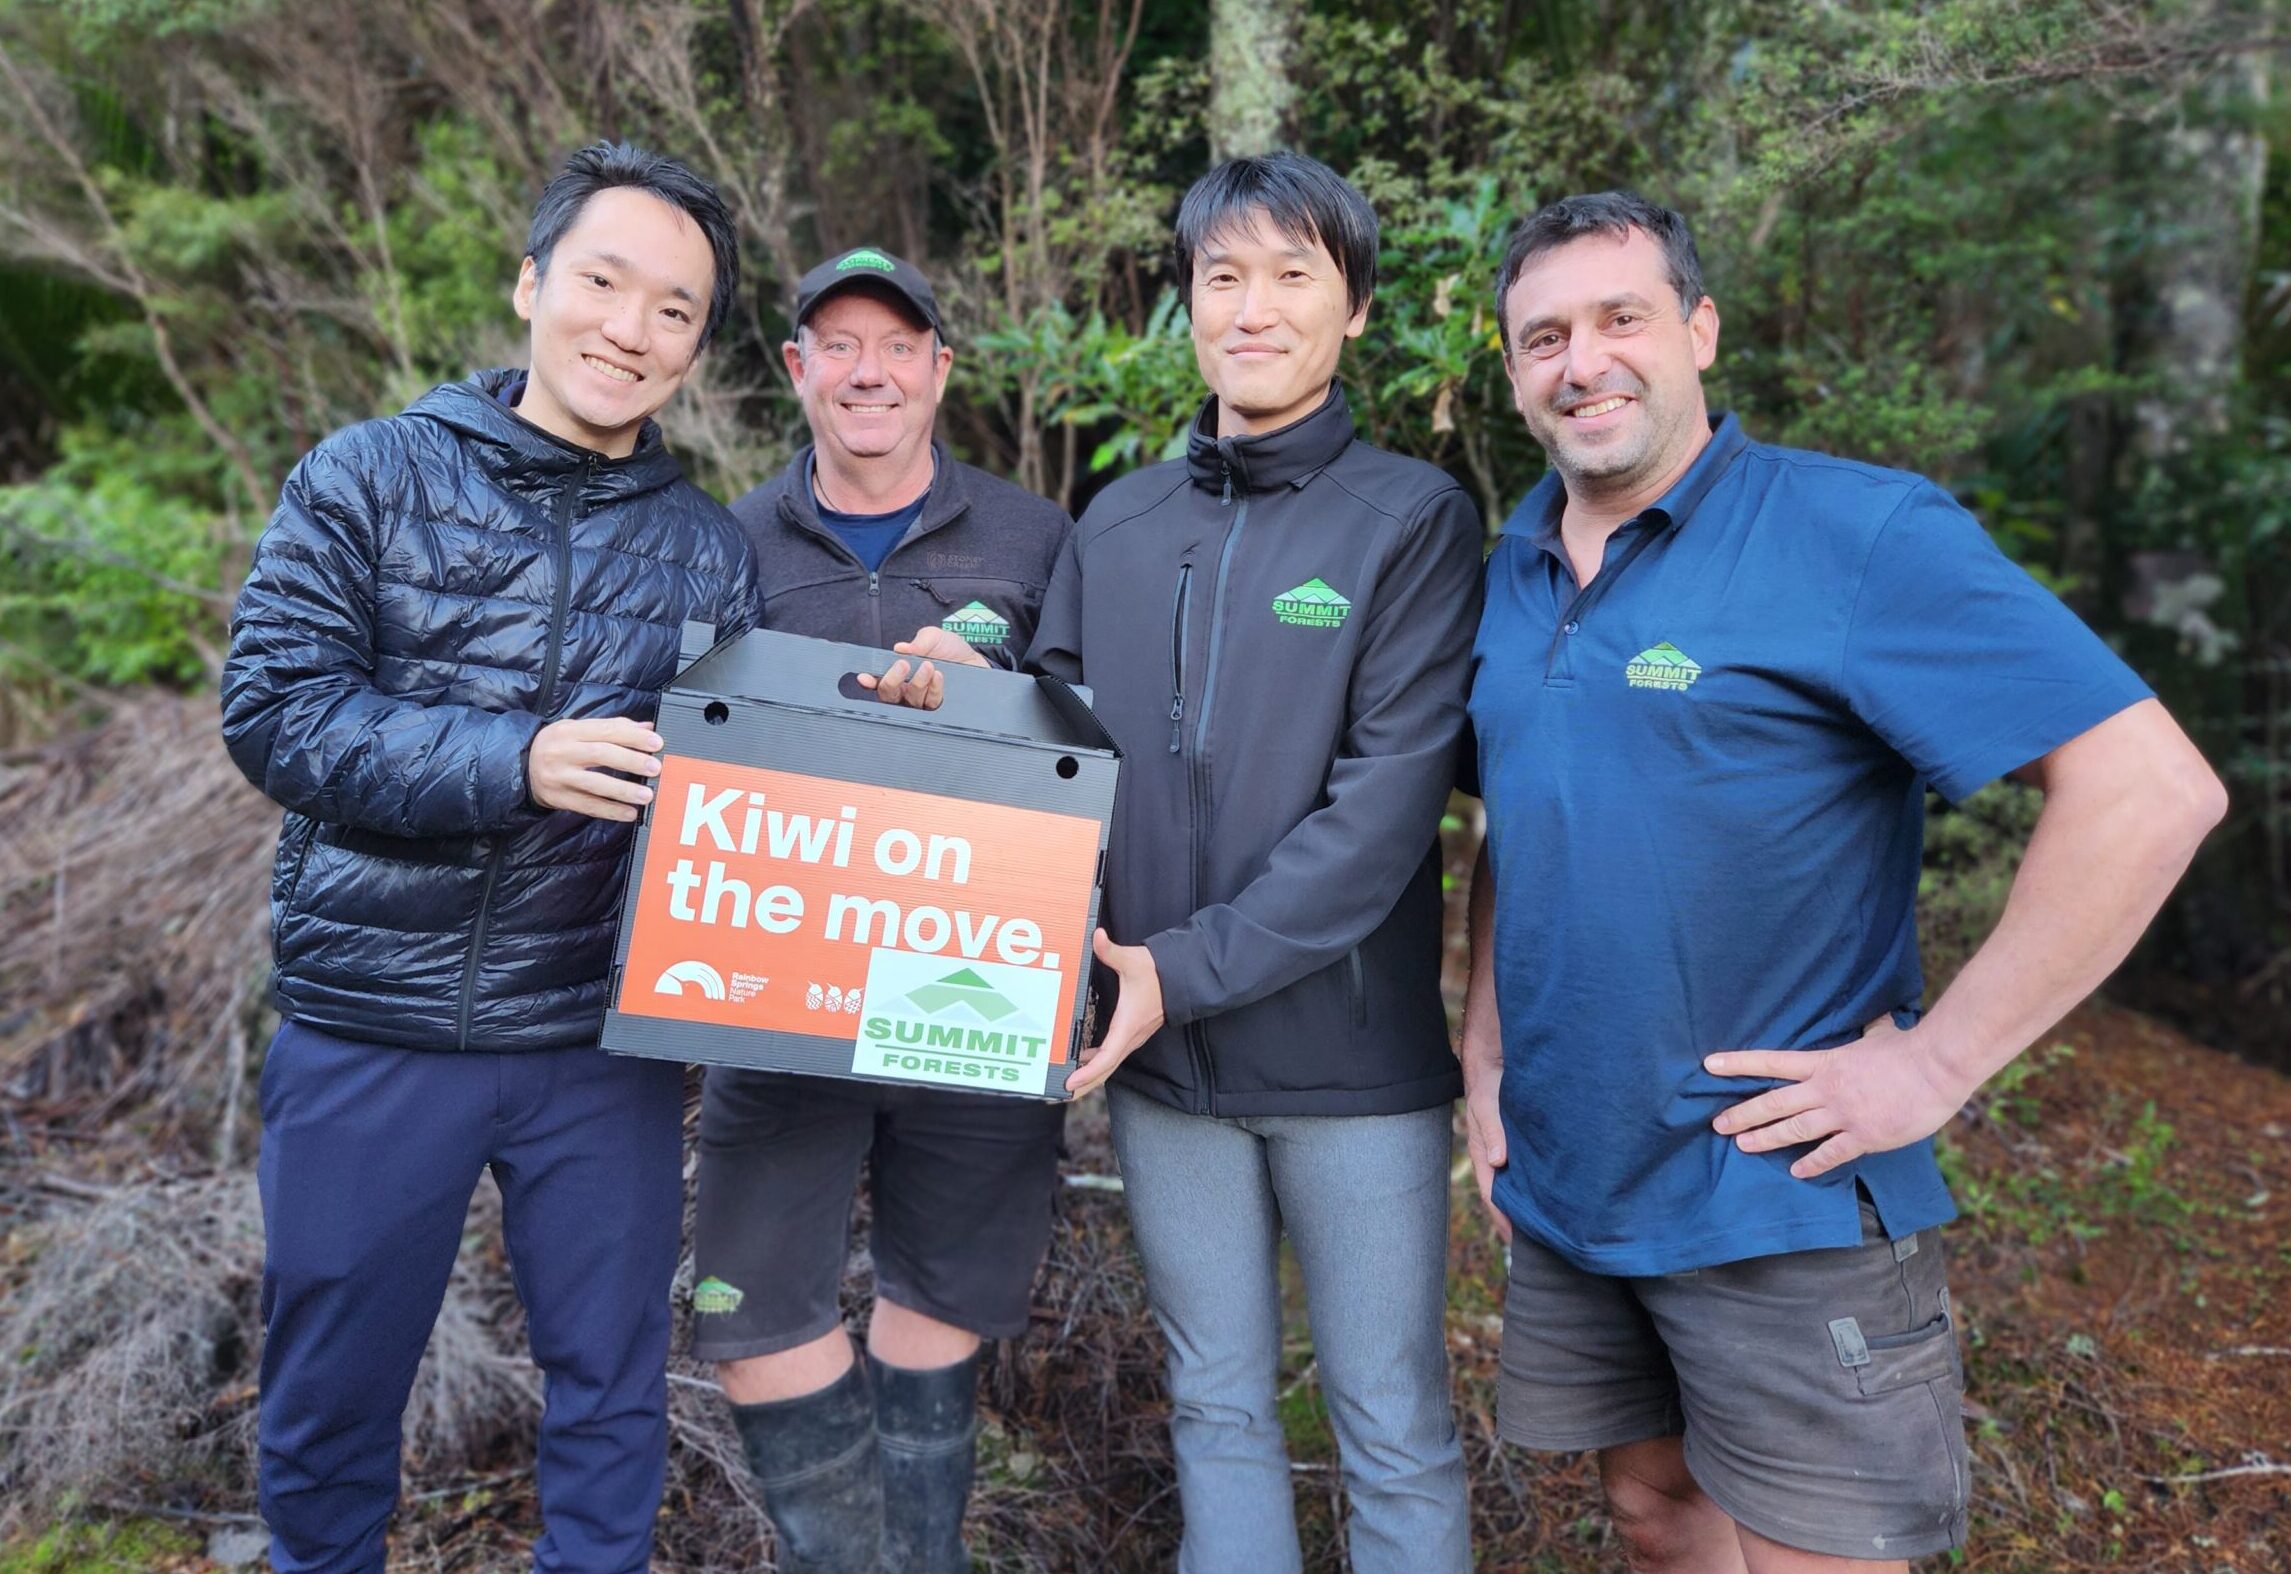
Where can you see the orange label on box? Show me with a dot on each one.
(765, 896)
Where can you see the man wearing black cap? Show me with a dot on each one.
(872, 534)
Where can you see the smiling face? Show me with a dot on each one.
(616, 319)
(1606, 368)
(869, 377)
(1269, 317)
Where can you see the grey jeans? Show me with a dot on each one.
(1364, 1199)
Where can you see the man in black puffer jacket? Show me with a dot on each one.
(441, 666)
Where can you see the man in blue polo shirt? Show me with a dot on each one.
(1712, 683)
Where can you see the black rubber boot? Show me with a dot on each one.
(927, 1424)
(816, 1458)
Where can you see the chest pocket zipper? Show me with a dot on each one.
(1179, 611)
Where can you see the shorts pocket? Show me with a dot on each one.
(1898, 1361)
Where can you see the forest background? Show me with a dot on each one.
(2036, 249)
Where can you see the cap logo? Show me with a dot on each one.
(867, 257)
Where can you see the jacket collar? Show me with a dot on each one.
(507, 443)
(1266, 461)
(942, 504)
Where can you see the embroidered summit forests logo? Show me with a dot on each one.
(1312, 605)
(712, 1297)
(1663, 666)
(982, 1023)
(867, 257)
(978, 623)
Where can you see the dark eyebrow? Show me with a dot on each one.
(613, 260)
(1612, 303)
(1216, 254)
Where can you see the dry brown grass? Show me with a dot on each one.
(2124, 1272)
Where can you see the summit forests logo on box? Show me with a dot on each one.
(1663, 666)
(959, 1024)
(978, 623)
(1312, 605)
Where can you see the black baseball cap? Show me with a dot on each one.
(868, 265)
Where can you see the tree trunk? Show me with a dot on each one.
(2189, 335)
(1252, 96)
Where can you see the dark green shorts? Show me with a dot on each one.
(960, 1185)
(1817, 1392)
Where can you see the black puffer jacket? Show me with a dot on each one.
(433, 589)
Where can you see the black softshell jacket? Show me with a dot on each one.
(433, 589)
(979, 543)
(1278, 630)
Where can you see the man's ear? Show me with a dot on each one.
(528, 282)
(1702, 325)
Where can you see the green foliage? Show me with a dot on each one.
(101, 1546)
(1936, 233)
(456, 257)
(2042, 1191)
(1972, 852)
(1138, 388)
(105, 559)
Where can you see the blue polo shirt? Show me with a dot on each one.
(1705, 781)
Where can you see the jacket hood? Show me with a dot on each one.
(1266, 461)
(511, 445)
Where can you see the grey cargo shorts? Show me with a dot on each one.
(1817, 1391)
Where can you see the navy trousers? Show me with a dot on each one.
(369, 1156)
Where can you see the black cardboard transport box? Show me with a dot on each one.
(827, 884)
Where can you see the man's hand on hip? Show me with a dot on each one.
(1881, 1092)
(1137, 1014)
(567, 766)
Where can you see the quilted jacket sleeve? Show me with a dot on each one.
(301, 715)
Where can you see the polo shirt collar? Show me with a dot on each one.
(1537, 517)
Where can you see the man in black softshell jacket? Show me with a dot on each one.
(442, 666)
(1277, 630)
(872, 532)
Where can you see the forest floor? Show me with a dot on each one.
(2121, 1278)
(2121, 1275)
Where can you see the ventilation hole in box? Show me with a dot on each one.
(717, 713)
(1068, 766)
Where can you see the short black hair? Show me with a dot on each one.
(1612, 213)
(1305, 201)
(603, 165)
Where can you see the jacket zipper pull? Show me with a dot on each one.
(1228, 497)
(1176, 721)
(873, 585)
